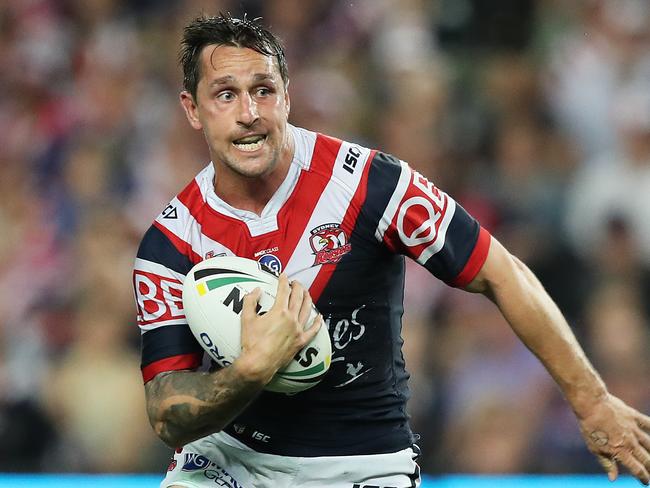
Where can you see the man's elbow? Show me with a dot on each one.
(500, 272)
(161, 427)
(161, 414)
(168, 432)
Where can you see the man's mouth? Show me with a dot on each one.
(250, 143)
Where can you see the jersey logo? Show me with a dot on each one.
(354, 372)
(159, 299)
(195, 462)
(170, 212)
(329, 243)
(271, 262)
(359, 485)
(211, 471)
(351, 159)
(213, 254)
(426, 209)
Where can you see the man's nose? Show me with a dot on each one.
(248, 114)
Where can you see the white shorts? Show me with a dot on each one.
(219, 460)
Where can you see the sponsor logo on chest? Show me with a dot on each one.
(269, 260)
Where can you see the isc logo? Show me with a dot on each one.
(258, 436)
(351, 159)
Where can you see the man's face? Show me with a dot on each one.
(242, 106)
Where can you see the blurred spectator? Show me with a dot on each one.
(605, 50)
(486, 370)
(614, 189)
(91, 394)
(619, 336)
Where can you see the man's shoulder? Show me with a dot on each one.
(378, 155)
(334, 140)
(190, 199)
(351, 152)
(180, 213)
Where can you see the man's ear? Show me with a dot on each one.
(191, 110)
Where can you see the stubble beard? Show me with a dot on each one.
(241, 168)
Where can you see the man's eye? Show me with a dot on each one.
(263, 92)
(226, 96)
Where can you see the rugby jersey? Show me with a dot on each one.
(341, 224)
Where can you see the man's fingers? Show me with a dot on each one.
(296, 298)
(643, 421)
(635, 466)
(305, 309)
(250, 304)
(609, 466)
(313, 328)
(640, 453)
(644, 439)
(643, 457)
(283, 293)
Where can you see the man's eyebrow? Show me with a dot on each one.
(257, 77)
(263, 77)
(222, 81)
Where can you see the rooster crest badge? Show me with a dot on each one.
(329, 243)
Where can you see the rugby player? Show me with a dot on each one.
(337, 220)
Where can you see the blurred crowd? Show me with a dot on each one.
(533, 114)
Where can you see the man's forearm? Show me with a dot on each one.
(538, 322)
(185, 405)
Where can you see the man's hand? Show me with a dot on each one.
(186, 405)
(617, 433)
(270, 341)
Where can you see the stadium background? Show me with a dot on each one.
(534, 115)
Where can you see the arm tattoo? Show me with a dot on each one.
(186, 405)
(599, 438)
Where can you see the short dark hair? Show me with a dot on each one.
(226, 30)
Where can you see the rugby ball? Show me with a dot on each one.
(213, 297)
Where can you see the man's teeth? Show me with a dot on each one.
(251, 143)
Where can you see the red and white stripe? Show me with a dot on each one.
(186, 231)
(342, 197)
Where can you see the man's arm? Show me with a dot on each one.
(186, 405)
(613, 431)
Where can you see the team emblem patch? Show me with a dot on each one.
(329, 243)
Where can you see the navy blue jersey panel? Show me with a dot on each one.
(383, 177)
(168, 341)
(157, 248)
(460, 241)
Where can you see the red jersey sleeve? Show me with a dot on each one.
(424, 223)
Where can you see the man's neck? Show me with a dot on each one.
(252, 194)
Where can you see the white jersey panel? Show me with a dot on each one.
(331, 208)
